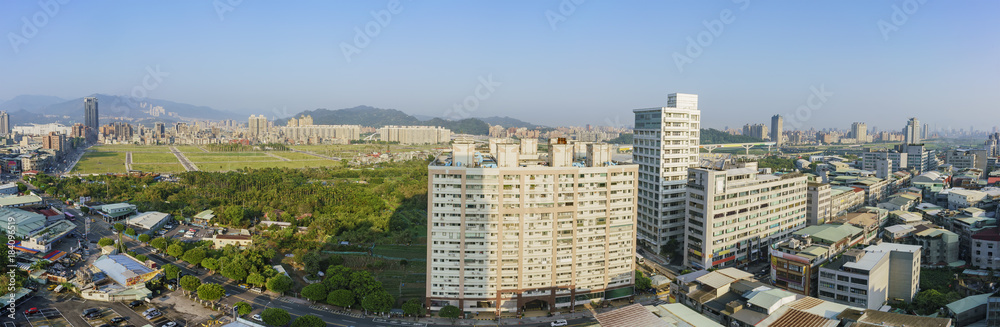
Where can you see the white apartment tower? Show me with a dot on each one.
(777, 124)
(911, 133)
(665, 145)
(734, 215)
(511, 230)
(859, 131)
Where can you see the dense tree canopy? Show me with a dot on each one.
(275, 316)
(190, 283)
(279, 283)
(210, 292)
(308, 321)
(243, 308)
(315, 292)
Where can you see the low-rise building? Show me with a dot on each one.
(795, 262)
(28, 200)
(866, 221)
(861, 277)
(116, 211)
(940, 246)
(985, 249)
(221, 241)
(845, 199)
(968, 310)
(902, 202)
(149, 222)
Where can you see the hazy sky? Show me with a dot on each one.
(550, 62)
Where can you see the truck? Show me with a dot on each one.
(58, 289)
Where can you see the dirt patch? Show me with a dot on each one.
(188, 309)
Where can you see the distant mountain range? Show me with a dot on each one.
(376, 117)
(49, 109)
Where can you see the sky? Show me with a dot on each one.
(821, 64)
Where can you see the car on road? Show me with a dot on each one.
(256, 317)
(30, 311)
(560, 322)
(134, 304)
(244, 286)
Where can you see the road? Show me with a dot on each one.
(315, 154)
(188, 165)
(128, 161)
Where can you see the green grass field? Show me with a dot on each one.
(221, 159)
(402, 251)
(160, 168)
(132, 148)
(189, 148)
(98, 162)
(275, 163)
(295, 155)
(153, 158)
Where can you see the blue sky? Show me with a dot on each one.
(602, 59)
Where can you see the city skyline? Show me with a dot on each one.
(751, 66)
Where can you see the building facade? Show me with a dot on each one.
(91, 118)
(777, 125)
(555, 233)
(861, 277)
(414, 134)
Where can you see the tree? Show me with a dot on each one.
(210, 292)
(171, 271)
(141, 257)
(234, 269)
(105, 241)
(279, 283)
(243, 308)
(341, 298)
(642, 282)
(21, 188)
(413, 307)
(119, 227)
(210, 264)
(86, 210)
(379, 301)
(190, 283)
(313, 261)
(130, 232)
(159, 243)
(144, 238)
(315, 292)
(450, 311)
(194, 256)
(256, 279)
(275, 316)
(308, 321)
(362, 283)
(175, 250)
(337, 277)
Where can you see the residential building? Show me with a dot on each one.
(777, 124)
(968, 310)
(818, 198)
(756, 131)
(54, 141)
(859, 131)
(902, 202)
(795, 262)
(985, 249)
(323, 133)
(870, 160)
(665, 145)
(4, 123)
(257, 126)
(871, 317)
(861, 277)
(91, 118)
(911, 132)
(844, 199)
(940, 246)
(508, 232)
(414, 134)
(734, 215)
(868, 222)
(221, 241)
(966, 158)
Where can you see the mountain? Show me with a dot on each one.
(376, 117)
(508, 122)
(32, 103)
(123, 106)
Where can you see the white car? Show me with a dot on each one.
(256, 317)
(170, 324)
(560, 322)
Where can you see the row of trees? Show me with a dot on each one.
(344, 287)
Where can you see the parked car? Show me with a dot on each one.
(117, 320)
(90, 311)
(560, 322)
(256, 317)
(30, 311)
(134, 304)
(170, 324)
(244, 286)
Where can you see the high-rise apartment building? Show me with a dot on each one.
(91, 119)
(54, 141)
(859, 131)
(911, 133)
(777, 124)
(818, 210)
(79, 130)
(414, 134)
(4, 123)
(257, 126)
(756, 130)
(665, 145)
(734, 215)
(508, 231)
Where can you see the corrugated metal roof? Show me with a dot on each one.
(630, 316)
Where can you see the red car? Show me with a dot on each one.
(30, 311)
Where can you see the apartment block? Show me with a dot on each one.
(966, 158)
(509, 232)
(861, 277)
(818, 210)
(665, 145)
(869, 160)
(845, 199)
(734, 215)
(795, 262)
(303, 132)
(414, 134)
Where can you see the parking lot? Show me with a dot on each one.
(141, 309)
(47, 317)
(106, 317)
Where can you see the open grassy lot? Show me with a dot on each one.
(295, 155)
(402, 251)
(153, 158)
(189, 148)
(98, 162)
(197, 159)
(175, 167)
(273, 163)
(132, 148)
(343, 150)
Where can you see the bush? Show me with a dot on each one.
(105, 241)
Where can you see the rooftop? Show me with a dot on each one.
(148, 220)
(828, 233)
(968, 303)
(679, 315)
(124, 269)
(19, 200)
(629, 316)
(880, 318)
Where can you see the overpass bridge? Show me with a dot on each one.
(746, 146)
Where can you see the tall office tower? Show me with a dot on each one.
(508, 231)
(736, 214)
(91, 119)
(911, 133)
(159, 130)
(756, 130)
(665, 145)
(4, 123)
(925, 133)
(993, 145)
(777, 123)
(859, 131)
